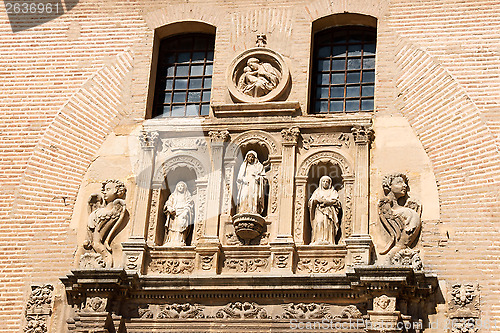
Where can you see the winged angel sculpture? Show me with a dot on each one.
(399, 214)
(106, 215)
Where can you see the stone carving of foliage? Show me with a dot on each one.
(145, 312)
(299, 211)
(246, 265)
(148, 139)
(242, 310)
(153, 215)
(40, 300)
(347, 219)
(320, 265)
(35, 324)
(464, 325)
(274, 191)
(172, 266)
(305, 311)
(351, 312)
(183, 311)
(408, 258)
(463, 294)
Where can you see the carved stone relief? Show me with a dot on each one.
(39, 308)
(107, 215)
(184, 311)
(180, 161)
(148, 140)
(399, 215)
(257, 75)
(306, 311)
(252, 137)
(408, 258)
(206, 262)
(242, 310)
(463, 308)
(246, 265)
(325, 140)
(184, 144)
(95, 304)
(384, 304)
(309, 265)
(153, 216)
(171, 266)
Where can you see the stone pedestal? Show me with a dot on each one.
(282, 257)
(359, 250)
(134, 251)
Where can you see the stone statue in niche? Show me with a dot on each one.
(324, 209)
(399, 214)
(250, 184)
(106, 214)
(258, 78)
(179, 212)
(251, 181)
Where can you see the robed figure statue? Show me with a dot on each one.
(179, 212)
(250, 184)
(324, 209)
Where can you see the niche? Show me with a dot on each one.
(313, 178)
(188, 176)
(263, 158)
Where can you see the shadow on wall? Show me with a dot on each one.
(25, 14)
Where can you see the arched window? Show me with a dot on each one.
(184, 75)
(343, 69)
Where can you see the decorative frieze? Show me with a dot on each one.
(305, 311)
(183, 311)
(171, 266)
(183, 144)
(246, 265)
(309, 265)
(242, 310)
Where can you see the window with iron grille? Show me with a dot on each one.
(184, 76)
(343, 70)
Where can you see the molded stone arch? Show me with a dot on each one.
(258, 137)
(326, 156)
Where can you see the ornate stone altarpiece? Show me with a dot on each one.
(269, 268)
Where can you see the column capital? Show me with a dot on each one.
(218, 136)
(363, 134)
(290, 136)
(149, 139)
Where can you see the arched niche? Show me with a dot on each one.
(178, 168)
(313, 167)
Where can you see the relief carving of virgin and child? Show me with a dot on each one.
(258, 78)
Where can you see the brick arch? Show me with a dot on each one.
(182, 13)
(318, 9)
(47, 193)
(463, 153)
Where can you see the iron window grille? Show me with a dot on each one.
(184, 76)
(344, 70)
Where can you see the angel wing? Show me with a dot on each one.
(96, 200)
(119, 206)
(392, 223)
(415, 205)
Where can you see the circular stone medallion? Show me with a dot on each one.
(257, 75)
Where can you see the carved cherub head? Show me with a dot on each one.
(396, 183)
(113, 189)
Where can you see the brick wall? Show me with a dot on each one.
(66, 84)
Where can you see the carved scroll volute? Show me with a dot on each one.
(300, 207)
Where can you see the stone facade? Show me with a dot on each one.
(410, 209)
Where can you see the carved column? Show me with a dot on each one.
(282, 248)
(135, 247)
(300, 209)
(209, 245)
(360, 245)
